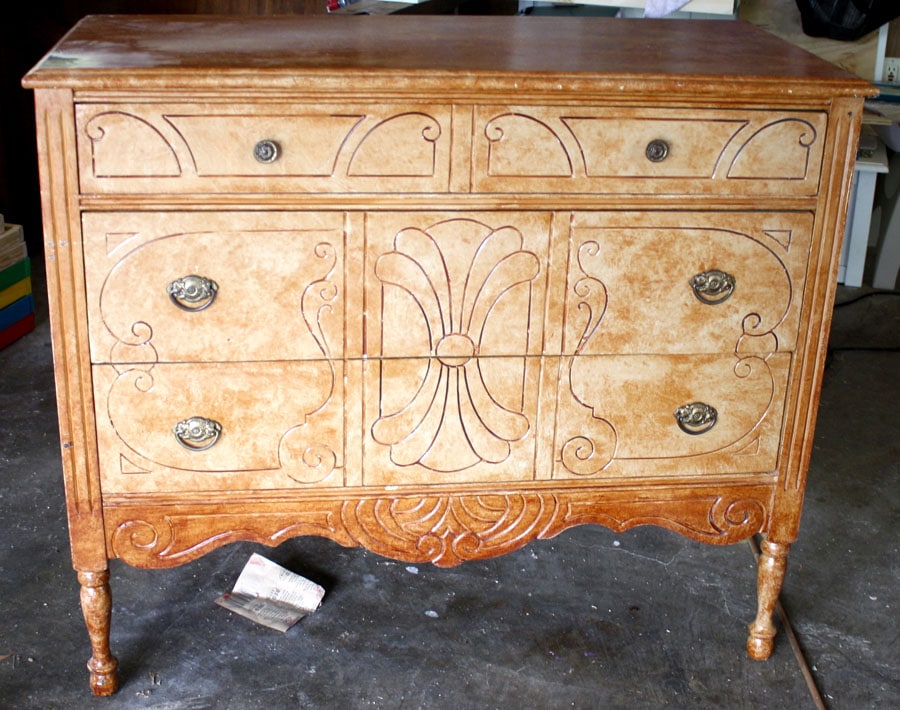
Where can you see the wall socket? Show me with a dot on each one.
(891, 73)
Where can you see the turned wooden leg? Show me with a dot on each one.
(96, 605)
(772, 563)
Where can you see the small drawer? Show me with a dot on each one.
(189, 287)
(638, 151)
(724, 282)
(219, 426)
(196, 148)
(652, 415)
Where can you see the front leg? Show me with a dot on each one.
(772, 563)
(96, 605)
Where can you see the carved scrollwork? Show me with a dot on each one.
(316, 463)
(149, 539)
(114, 133)
(404, 145)
(791, 139)
(454, 407)
(443, 529)
(701, 515)
(160, 538)
(591, 293)
(448, 530)
(744, 514)
(512, 136)
(586, 456)
(590, 446)
(319, 297)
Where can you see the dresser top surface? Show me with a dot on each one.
(105, 50)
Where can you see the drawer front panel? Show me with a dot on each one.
(657, 151)
(617, 415)
(685, 282)
(451, 285)
(481, 347)
(273, 290)
(279, 426)
(174, 148)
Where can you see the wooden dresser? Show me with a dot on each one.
(438, 286)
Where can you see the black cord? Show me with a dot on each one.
(863, 349)
(852, 348)
(863, 296)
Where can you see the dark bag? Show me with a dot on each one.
(845, 19)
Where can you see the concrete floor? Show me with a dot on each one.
(591, 619)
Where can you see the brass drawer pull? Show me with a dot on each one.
(657, 150)
(193, 293)
(266, 151)
(696, 418)
(713, 287)
(197, 433)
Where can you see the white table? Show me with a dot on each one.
(859, 217)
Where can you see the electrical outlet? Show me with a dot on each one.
(891, 73)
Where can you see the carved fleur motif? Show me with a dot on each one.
(458, 273)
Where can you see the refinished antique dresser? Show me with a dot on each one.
(438, 286)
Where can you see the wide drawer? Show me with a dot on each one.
(171, 287)
(219, 426)
(216, 148)
(205, 287)
(422, 422)
(666, 282)
(657, 151)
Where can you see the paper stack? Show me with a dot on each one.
(16, 301)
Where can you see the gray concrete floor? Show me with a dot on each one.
(591, 619)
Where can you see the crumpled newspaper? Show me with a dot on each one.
(271, 595)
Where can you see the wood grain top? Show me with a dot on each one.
(192, 50)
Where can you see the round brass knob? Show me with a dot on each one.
(266, 151)
(657, 150)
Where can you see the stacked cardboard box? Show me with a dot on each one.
(16, 301)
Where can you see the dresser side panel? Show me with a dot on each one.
(68, 324)
(818, 302)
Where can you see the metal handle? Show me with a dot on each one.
(193, 293)
(696, 418)
(713, 287)
(266, 151)
(197, 433)
(657, 150)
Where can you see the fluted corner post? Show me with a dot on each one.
(772, 563)
(96, 605)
